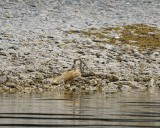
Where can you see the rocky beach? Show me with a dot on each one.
(119, 41)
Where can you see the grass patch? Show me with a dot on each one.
(140, 35)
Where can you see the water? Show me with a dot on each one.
(83, 110)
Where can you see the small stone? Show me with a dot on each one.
(113, 78)
(152, 82)
(48, 81)
(40, 90)
(30, 70)
(125, 88)
(93, 88)
(1, 49)
(3, 54)
(67, 85)
(11, 85)
(110, 88)
(118, 42)
(13, 47)
(26, 53)
(93, 82)
(73, 88)
(27, 90)
(131, 63)
(3, 79)
(133, 42)
(109, 46)
(5, 88)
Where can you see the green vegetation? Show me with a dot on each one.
(140, 35)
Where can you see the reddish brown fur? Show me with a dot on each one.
(67, 76)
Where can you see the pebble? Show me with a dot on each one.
(3, 54)
(3, 79)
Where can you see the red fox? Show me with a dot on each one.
(69, 75)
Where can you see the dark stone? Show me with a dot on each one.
(11, 85)
(113, 78)
(3, 54)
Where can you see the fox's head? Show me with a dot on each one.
(77, 73)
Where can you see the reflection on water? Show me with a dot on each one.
(96, 110)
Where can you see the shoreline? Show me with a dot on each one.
(112, 63)
(120, 44)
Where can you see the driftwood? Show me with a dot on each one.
(82, 66)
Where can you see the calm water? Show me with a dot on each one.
(94, 110)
